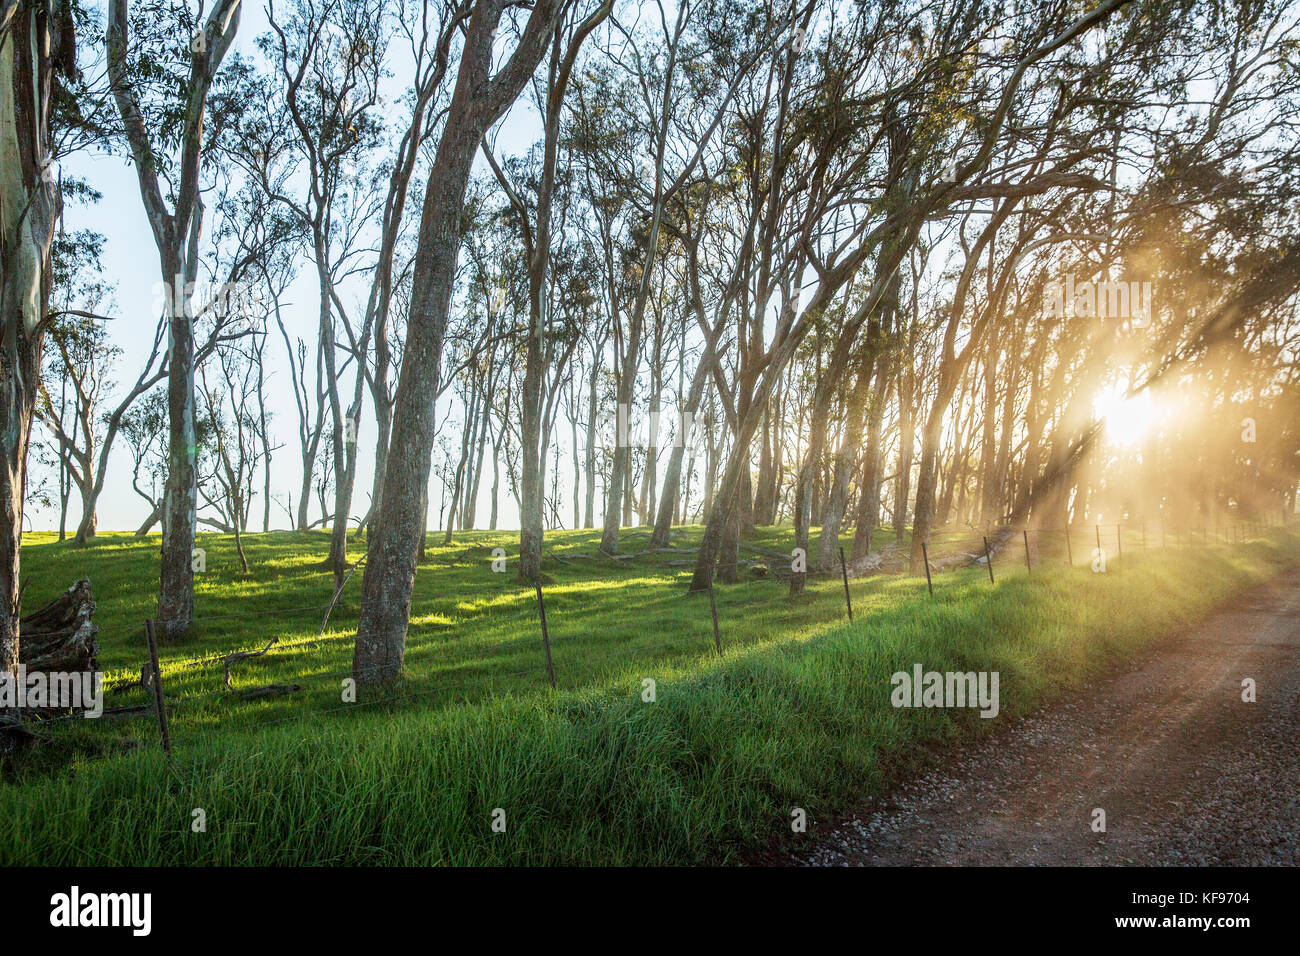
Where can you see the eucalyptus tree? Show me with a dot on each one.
(690, 223)
(144, 428)
(163, 58)
(37, 47)
(83, 355)
(230, 403)
(802, 170)
(544, 355)
(82, 359)
(669, 90)
(481, 96)
(1224, 71)
(428, 31)
(326, 64)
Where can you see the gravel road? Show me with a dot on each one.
(1187, 773)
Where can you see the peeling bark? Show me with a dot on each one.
(33, 43)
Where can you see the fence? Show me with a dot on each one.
(1037, 546)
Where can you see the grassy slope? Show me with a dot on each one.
(796, 713)
(474, 633)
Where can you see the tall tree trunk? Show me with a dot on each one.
(988, 484)
(803, 494)
(31, 46)
(338, 553)
(469, 506)
(868, 515)
(928, 480)
(86, 527)
(304, 493)
(497, 440)
(180, 496)
(176, 233)
(532, 488)
(845, 457)
(763, 504)
(999, 480)
(906, 443)
(265, 438)
(384, 419)
(672, 476)
(589, 506)
(477, 101)
(459, 482)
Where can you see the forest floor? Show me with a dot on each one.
(652, 748)
(1187, 771)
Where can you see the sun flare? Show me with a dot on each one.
(1127, 419)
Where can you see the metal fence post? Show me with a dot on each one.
(713, 608)
(546, 637)
(844, 570)
(159, 709)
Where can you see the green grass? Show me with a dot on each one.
(796, 713)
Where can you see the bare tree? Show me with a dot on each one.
(176, 219)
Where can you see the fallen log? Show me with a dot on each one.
(269, 690)
(766, 552)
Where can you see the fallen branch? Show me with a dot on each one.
(269, 690)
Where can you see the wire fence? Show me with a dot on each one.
(1095, 546)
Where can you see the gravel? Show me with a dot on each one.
(1188, 774)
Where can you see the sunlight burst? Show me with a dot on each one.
(1128, 419)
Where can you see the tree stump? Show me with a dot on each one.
(61, 637)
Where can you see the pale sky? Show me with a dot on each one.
(130, 261)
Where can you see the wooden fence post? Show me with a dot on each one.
(988, 558)
(925, 556)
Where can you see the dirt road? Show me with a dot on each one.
(1187, 773)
